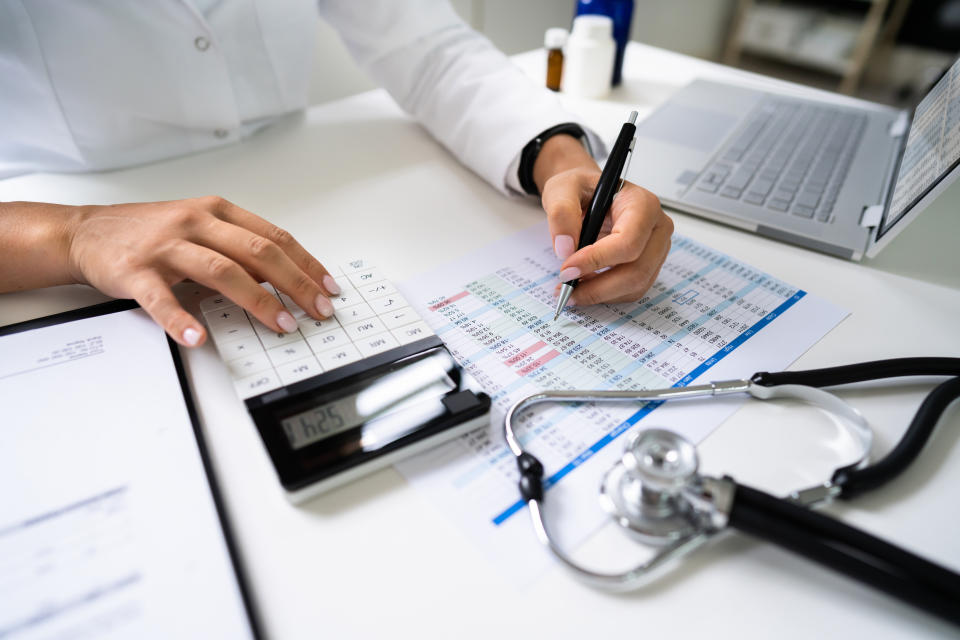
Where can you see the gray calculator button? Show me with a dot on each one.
(289, 352)
(365, 328)
(376, 290)
(256, 384)
(233, 349)
(338, 357)
(310, 327)
(292, 306)
(377, 344)
(399, 317)
(412, 332)
(249, 364)
(328, 340)
(298, 370)
(356, 313)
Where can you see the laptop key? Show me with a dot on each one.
(731, 192)
(808, 199)
(709, 187)
(778, 205)
(753, 198)
(783, 194)
(800, 210)
(739, 180)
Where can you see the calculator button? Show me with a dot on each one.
(399, 317)
(232, 332)
(376, 290)
(352, 266)
(376, 344)
(233, 349)
(356, 313)
(229, 316)
(388, 303)
(360, 330)
(299, 370)
(292, 306)
(363, 278)
(338, 357)
(271, 339)
(347, 298)
(256, 384)
(269, 287)
(249, 364)
(310, 327)
(413, 332)
(213, 303)
(328, 340)
(289, 352)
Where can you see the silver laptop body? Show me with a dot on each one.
(807, 172)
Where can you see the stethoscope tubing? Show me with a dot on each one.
(843, 548)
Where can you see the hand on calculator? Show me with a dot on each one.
(140, 250)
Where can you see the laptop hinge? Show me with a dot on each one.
(899, 126)
(871, 215)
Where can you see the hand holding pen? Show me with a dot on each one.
(639, 237)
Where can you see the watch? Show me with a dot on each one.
(528, 156)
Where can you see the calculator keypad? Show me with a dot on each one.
(370, 317)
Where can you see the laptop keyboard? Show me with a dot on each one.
(790, 157)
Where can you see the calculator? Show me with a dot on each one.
(345, 396)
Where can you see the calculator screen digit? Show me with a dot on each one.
(322, 422)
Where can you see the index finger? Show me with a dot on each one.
(636, 213)
(239, 216)
(563, 200)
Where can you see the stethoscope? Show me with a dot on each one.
(656, 493)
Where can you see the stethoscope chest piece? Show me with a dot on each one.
(642, 492)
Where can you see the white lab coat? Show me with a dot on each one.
(90, 85)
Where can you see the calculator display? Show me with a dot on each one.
(388, 395)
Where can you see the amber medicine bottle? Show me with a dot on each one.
(553, 42)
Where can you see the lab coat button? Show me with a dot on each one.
(221, 133)
(201, 43)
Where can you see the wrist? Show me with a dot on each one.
(558, 154)
(35, 240)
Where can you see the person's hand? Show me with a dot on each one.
(635, 239)
(140, 250)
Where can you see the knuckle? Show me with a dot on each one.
(668, 224)
(303, 284)
(263, 301)
(280, 236)
(587, 298)
(219, 267)
(261, 247)
(212, 203)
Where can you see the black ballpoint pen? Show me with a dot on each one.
(611, 180)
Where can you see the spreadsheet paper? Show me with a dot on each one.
(707, 317)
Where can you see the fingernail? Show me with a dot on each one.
(331, 285)
(568, 274)
(324, 306)
(563, 246)
(286, 322)
(191, 336)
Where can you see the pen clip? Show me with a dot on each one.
(626, 165)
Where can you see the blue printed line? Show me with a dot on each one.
(650, 406)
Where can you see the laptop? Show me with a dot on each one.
(838, 179)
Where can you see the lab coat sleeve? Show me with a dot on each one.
(460, 87)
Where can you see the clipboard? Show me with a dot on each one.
(103, 504)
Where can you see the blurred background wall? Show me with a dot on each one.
(816, 42)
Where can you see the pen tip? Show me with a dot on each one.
(555, 316)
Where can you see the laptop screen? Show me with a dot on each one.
(933, 147)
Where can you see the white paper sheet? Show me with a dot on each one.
(108, 528)
(708, 317)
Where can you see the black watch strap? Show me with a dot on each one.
(530, 152)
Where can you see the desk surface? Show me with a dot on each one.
(356, 177)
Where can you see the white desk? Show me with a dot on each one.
(375, 559)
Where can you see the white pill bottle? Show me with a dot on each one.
(588, 57)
